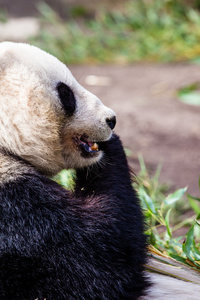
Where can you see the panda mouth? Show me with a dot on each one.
(87, 148)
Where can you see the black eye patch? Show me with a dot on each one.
(67, 98)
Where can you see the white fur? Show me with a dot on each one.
(33, 124)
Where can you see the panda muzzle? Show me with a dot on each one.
(85, 145)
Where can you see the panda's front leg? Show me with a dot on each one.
(109, 183)
(107, 188)
(111, 175)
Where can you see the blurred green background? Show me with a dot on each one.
(158, 30)
(113, 31)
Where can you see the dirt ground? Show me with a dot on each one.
(150, 119)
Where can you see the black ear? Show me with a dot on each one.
(67, 98)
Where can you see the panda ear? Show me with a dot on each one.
(67, 98)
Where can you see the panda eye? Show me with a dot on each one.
(67, 98)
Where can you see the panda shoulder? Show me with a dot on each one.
(20, 181)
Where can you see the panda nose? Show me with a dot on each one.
(111, 122)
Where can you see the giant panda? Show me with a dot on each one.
(87, 244)
(55, 244)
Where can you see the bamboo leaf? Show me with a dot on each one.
(194, 205)
(152, 238)
(167, 223)
(172, 198)
(194, 198)
(197, 222)
(187, 246)
(191, 98)
(198, 216)
(148, 201)
(196, 254)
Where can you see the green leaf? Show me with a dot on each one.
(187, 246)
(158, 171)
(172, 198)
(142, 163)
(188, 88)
(196, 254)
(128, 152)
(167, 223)
(197, 222)
(191, 98)
(194, 205)
(194, 198)
(152, 238)
(66, 178)
(147, 200)
(177, 257)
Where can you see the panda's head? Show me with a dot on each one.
(46, 116)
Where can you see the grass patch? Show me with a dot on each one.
(154, 30)
(164, 216)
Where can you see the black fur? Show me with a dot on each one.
(85, 246)
(67, 98)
